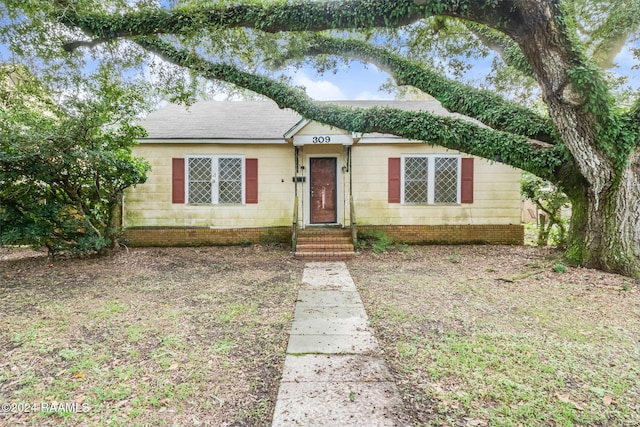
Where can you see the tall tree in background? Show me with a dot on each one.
(581, 139)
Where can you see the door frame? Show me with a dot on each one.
(307, 192)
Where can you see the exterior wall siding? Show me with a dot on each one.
(496, 191)
(150, 204)
(151, 219)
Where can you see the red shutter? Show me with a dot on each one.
(177, 180)
(251, 181)
(466, 187)
(394, 180)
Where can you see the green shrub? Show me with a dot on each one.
(560, 268)
(271, 239)
(378, 240)
(63, 168)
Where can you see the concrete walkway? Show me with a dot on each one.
(334, 374)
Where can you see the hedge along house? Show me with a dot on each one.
(233, 172)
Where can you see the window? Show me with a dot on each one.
(215, 179)
(430, 179)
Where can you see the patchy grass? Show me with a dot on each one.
(475, 336)
(485, 335)
(180, 336)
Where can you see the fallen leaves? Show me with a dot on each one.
(566, 398)
(475, 422)
(152, 363)
(528, 346)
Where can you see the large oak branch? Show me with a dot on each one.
(276, 16)
(503, 46)
(485, 106)
(514, 150)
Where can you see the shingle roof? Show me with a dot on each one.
(247, 119)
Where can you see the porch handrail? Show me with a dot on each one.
(294, 230)
(353, 223)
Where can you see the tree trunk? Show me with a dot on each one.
(543, 230)
(605, 227)
(605, 223)
(114, 222)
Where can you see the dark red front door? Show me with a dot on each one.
(323, 190)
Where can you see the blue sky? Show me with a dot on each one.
(363, 82)
(358, 82)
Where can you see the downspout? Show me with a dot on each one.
(297, 163)
(304, 189)
(349, 167)
(294, 227)
(352, 209)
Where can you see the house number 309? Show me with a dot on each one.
(321, 139)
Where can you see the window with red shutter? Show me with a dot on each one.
(431, 179)
(466, 185)
(177, 181)
(212, 179)
(251, 181)
(394, 180)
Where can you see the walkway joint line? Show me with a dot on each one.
(334, 373)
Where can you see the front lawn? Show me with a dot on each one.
(150, 337)
(500, 336)
(475, 336)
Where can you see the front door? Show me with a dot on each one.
(323, 189)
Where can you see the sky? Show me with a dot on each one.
(362, 82)
(356, 83)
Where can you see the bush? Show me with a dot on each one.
(560, 268)
(63, 168)
(378, 241)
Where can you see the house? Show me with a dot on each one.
(232, 172)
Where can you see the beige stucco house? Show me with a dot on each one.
(228, 172)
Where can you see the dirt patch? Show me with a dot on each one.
(8, 253)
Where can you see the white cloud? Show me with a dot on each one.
(322, 90)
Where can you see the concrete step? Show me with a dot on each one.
(324, 240)
(323, 247)
(324, 236)
(325, 255)
(324, 231)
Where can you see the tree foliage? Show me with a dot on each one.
(63, 168)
